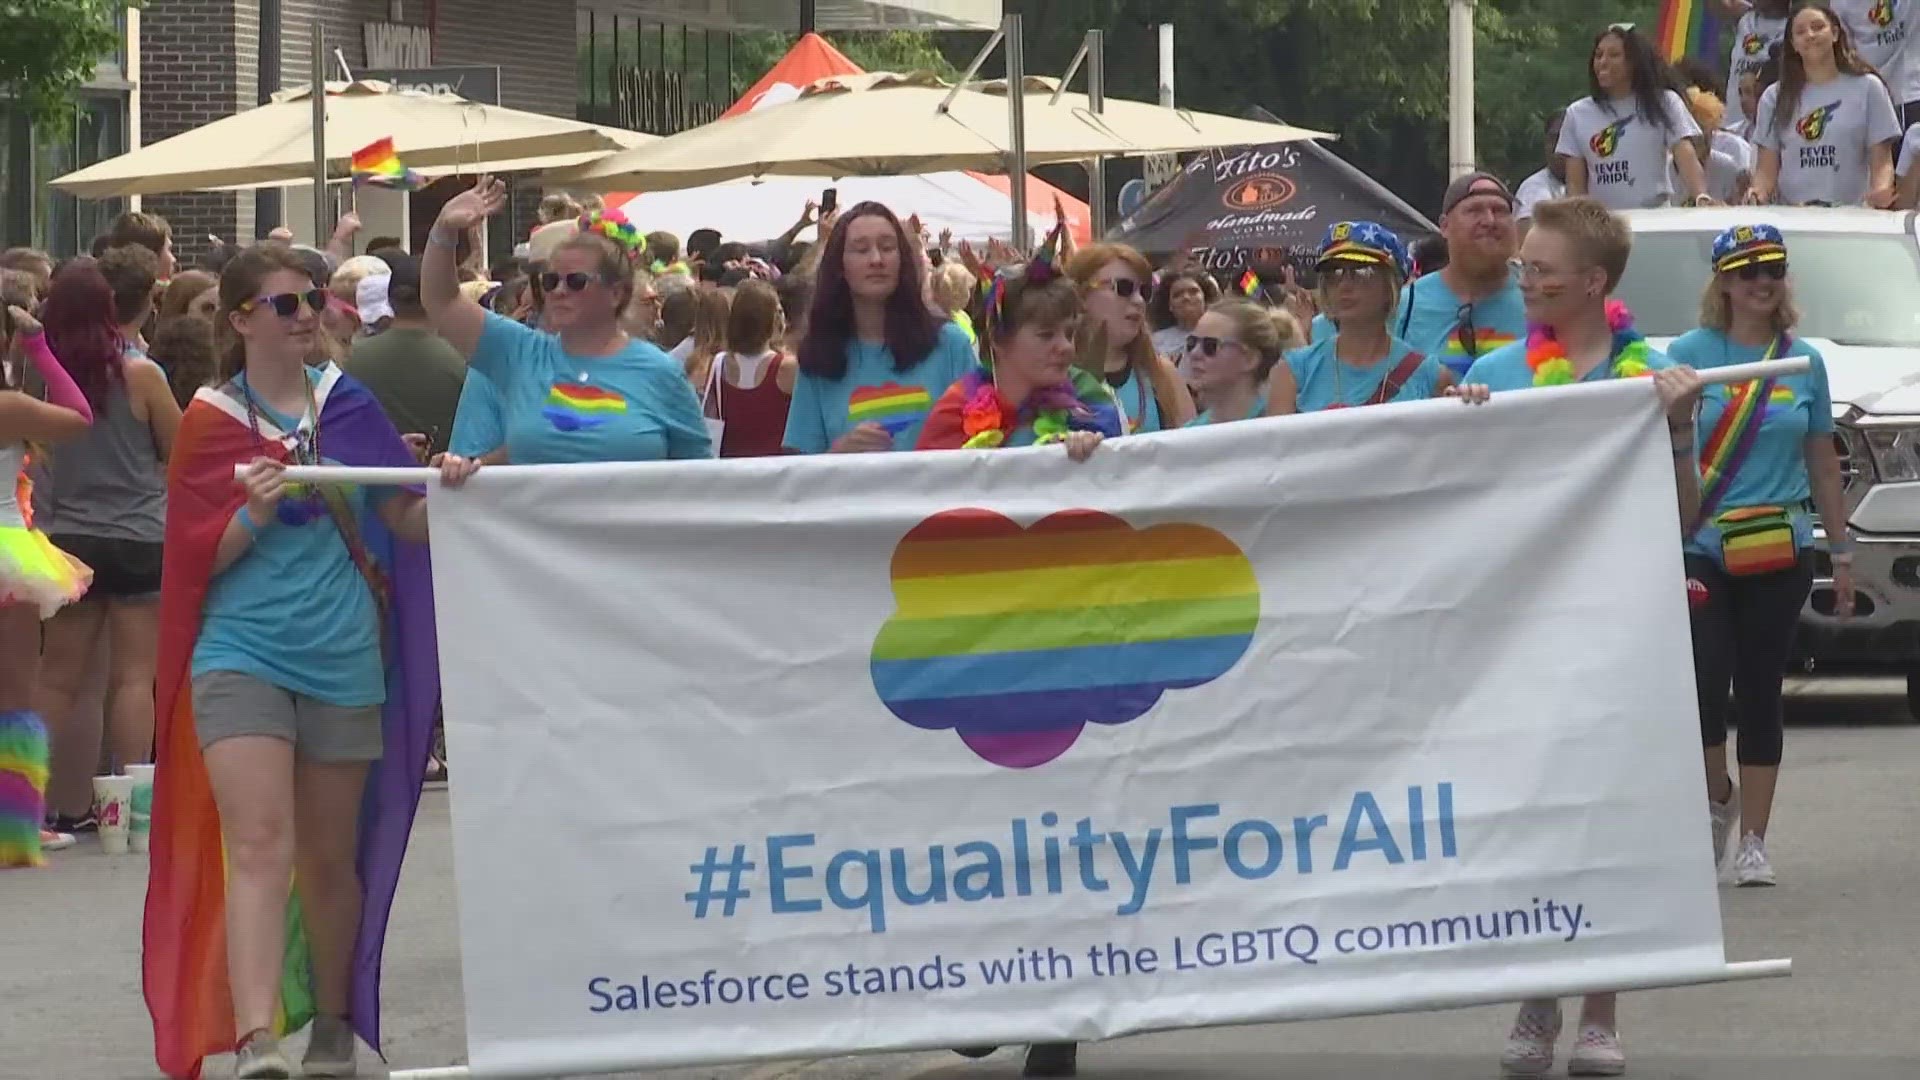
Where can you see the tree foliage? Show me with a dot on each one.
(50, 48)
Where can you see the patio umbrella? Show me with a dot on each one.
(886, 124)
(273, 143)
(879, 124)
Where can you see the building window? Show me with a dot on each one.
(33, 212)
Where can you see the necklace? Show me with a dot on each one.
(306, 440)
(1547, 355)
(987, 420)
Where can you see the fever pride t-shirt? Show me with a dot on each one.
(1882, 32)
(1824, 148)
(872, 391)
(1626, 153)
(1751, 40)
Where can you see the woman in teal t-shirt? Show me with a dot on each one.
(1361, 265)
(1766, 450)
(1231, 354)
(588, 391)
(876, 356)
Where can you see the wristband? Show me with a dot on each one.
(434, 237)
(247, 523)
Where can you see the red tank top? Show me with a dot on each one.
(756, 419)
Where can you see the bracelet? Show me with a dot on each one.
(434, 237)
(247, 523)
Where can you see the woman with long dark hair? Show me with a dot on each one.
(1825, 130)
(105, 503)
(1179, 300)
(1618, 140)
(876, 355)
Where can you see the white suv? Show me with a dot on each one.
(1856, 277)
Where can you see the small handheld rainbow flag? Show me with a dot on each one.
(1249, 284)
(378, 164)
(1688, 28)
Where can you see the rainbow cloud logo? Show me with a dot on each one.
(891, 405)
(1018, 638)
(577, 407)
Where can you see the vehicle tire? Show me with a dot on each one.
(1913, 692)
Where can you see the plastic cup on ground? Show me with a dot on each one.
(113, 809)
(140, 826)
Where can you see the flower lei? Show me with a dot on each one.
(615, 226)
(987, 421)
(1548, 359)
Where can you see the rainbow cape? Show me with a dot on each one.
(1688, 28)
(184, 966)
(378, 164)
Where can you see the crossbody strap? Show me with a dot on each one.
(1733, 438)
(1397, 378)
(370, 572)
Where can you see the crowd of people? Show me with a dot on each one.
(245, 626)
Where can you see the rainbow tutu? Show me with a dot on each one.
(35, 572)
(23, 786)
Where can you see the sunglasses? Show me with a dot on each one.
(1125, 288)
(1346, 272)
(575, 282)
(1469, 335)
(1774, 271)
(1207, 346)
(287, 304)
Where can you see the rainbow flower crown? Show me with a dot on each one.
(1039, 270)
(615, 226)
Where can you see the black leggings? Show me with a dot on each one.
(1743, 635)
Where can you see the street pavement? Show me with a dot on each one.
(70, 1004)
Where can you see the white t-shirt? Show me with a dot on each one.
(1751, 40)
(1883, 33)
(1538, 188)
(1735, 147)
(1824, 150)
(1909, 146)
(1625, 153)
(1723, 176)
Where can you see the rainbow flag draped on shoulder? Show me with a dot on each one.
(184, 965)
(1690, 28)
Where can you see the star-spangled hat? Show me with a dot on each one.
(1746, 245)
(1363, 242)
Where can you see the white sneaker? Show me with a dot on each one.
(1725, 816)
(1529, 1050)
(1750, 867)
(1597, 1053)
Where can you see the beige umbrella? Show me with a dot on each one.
(879, 124)
(886, 124)
(273, 143)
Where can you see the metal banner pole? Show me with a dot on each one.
(322, 221)
(1097, 97)
(1017, 127)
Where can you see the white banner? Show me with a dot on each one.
(1377, 710)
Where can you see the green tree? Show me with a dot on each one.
(50, 48)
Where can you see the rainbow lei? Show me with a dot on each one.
(987, 420)
(1547, 357)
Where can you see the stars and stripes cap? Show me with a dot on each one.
(1362, 242)
(1745, 245)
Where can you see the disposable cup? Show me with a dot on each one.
(141, 823)
(113, 809)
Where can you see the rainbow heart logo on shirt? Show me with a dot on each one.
(1016, 638)
(891, 405)
(1486, 340)
(1813, 125)
(579, 407)
(1607, 139)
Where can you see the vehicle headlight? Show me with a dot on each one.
(1896, 453)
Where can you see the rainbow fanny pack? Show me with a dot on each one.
(1757, 540)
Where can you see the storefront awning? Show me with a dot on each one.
(829, 14)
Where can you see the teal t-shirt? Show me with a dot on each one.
(478, 427)
(293, 610)
(635, 405)
(1506, 368)
(1137, 402)
(872, 390)
(1430, 318)
(1206, 415)
(1322, 382)
(1775, 470)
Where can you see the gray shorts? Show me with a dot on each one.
(229, 703)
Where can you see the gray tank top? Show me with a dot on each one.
(109, 484)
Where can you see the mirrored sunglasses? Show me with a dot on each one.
(287, 305)
(1337, 272)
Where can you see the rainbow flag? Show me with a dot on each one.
(1018, 638)
(379, 165)
(1249, 284)
(1688, 28)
